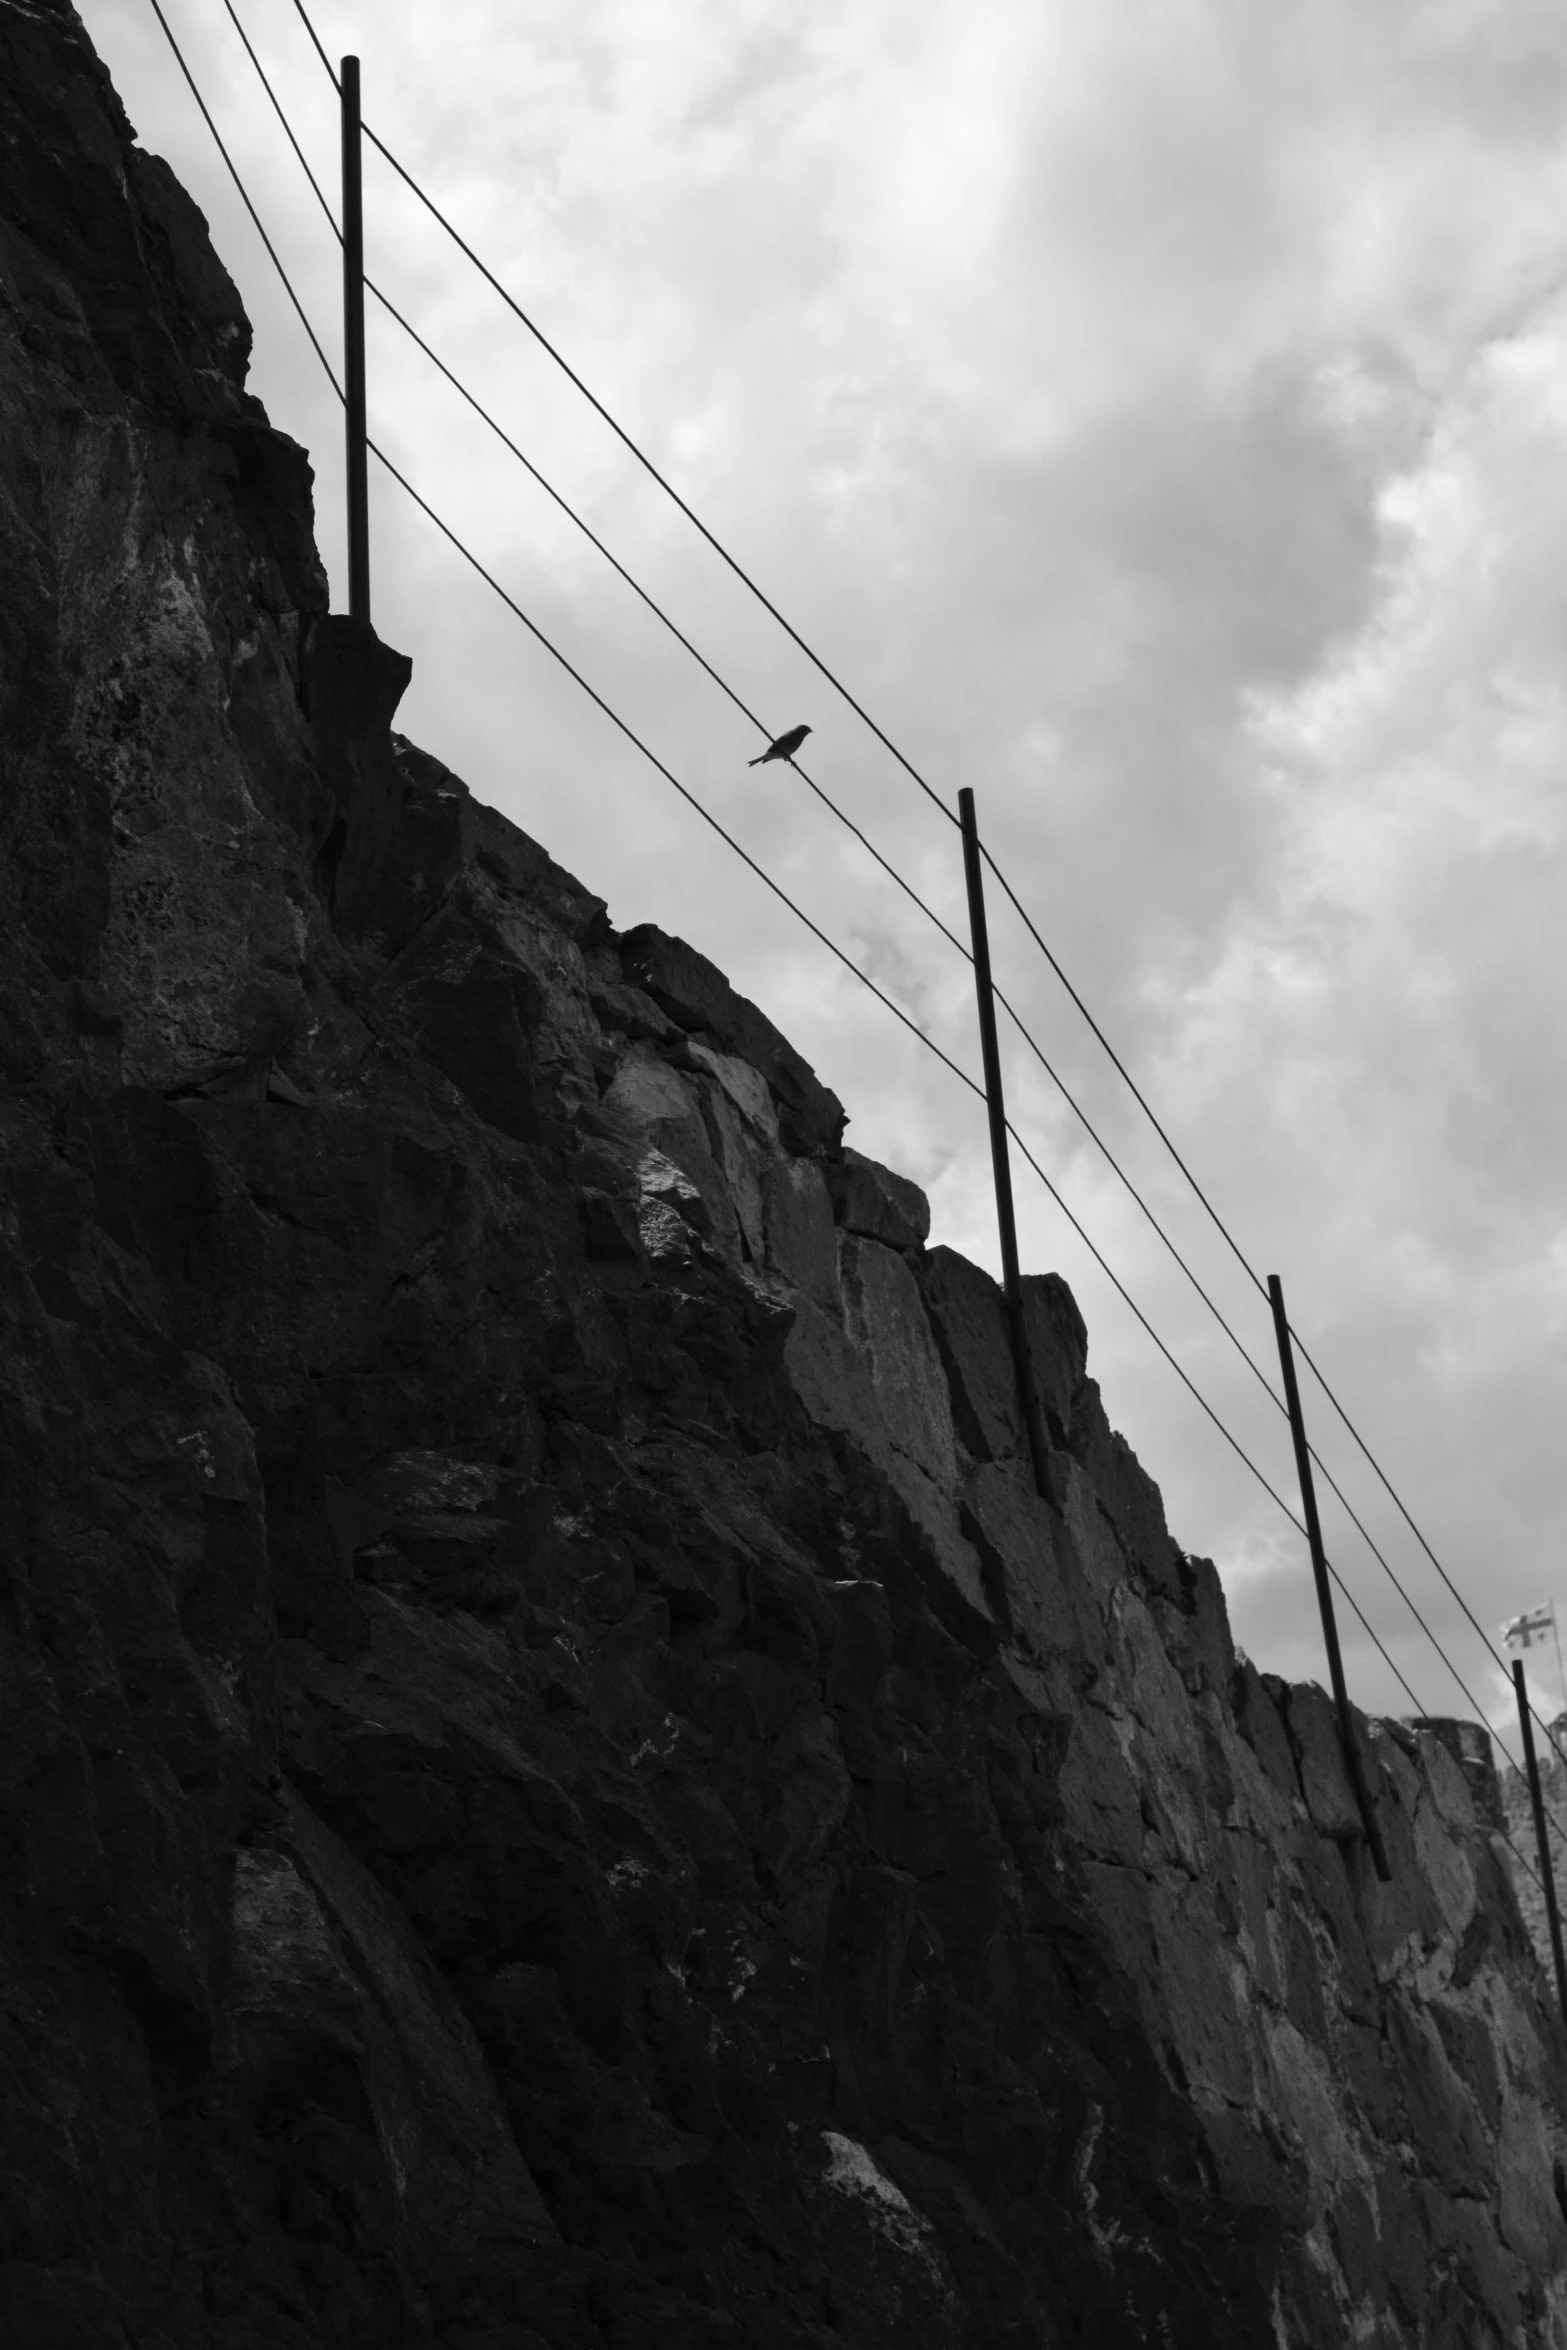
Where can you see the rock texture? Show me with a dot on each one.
(559, 1787)
(1524, 1857)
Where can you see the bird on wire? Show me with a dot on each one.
(784, 748)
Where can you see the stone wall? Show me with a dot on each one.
(1524, 1855)
(559, 1785)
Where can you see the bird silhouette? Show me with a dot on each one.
(784, 748)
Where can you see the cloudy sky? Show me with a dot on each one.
(1157, 415)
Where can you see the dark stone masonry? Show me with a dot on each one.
(559, 1789)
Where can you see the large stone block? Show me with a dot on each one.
(476, 1014)
(1307, 2098)
(1247, 1877)
(1324, 1775)
(1469, 1745)
(1196, 1625)
(647, 1095)
(877, 1378)
(968, 1317)
(833, 1379)
(1443, 2122)
(649, 1101)
(886, 1317)
(889, 2280)
(1261, 1723)
(1491, 2280)
(744, 1086)
(200, 957)
(695, 994)
(463, 2170)
(1448, 1781)
(1099, 1556)
(1442, 1848)
(1531, 2214)
(1193, 1992)
(936, 1511)
(1404, 1922)
(738, 1155)
(1101, 1809)
(329, 1977)
(1169, 1738)
(1058, 1347)
(353, 684)
(624, 1010)
(1130, 1498)
(802, 1242)
(872, 1200)
(1032, 1577)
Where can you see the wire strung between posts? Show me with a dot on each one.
(1264, 1382)
(659, 613)
(926, 1040)
(797, 910)
(742, 574)
(1246, 1266)
(1413, 1528)
(1255, 1279)
(838, 686)
(326, 208)
(724, 686)
(1011, 1011)
(1126, 1075)
(620, 432)
(576, 675)
(646, 462)
(244, 198)
(490, 580)
(288, 128)
(690, 798)
(1270, 1489)
(722, 683)
(695, 519)
(1033, 929)
(963, 1077)
(1192, 1389)
(582, 525)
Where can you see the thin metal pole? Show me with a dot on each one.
(354, 351)
(1547, 1873)
(1000, 1158)
(1319, 1569)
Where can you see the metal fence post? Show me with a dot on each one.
(354, 351)
(1000, 1159)
(1319, 1569)
(1537, 1799)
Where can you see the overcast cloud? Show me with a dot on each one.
(1156, 414)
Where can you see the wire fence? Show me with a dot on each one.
(886, 865)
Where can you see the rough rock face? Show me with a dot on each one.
(1518, 1813)
(558, 1785)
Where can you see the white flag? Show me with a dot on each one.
(1531, 1626)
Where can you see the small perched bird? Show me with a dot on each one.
(784, 748)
